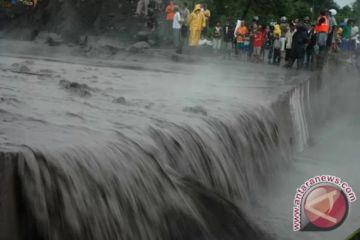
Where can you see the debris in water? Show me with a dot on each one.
(120, 100)
(149, 106)
(138, 47)
(9, 100)
(17, 67)
(196, 110)
(82, 90)
(47, 71)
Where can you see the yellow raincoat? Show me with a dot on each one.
(277, 30)
(207, 15)
(197, 22)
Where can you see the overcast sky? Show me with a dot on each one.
(344, 2)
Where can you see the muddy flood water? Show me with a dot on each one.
(153, 149)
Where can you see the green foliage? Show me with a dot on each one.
(272, 10)
(345, 12)
(301, 10)
(356, 10)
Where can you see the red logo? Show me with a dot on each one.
(325, 207)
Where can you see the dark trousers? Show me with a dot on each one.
(330, 39)
(184, 32)
(287, 54)
(299, 62)
(227, 47)
(277, 56)
(177, 40)
(236, 49)
(321, 57)
(309, 58)
(270, 54)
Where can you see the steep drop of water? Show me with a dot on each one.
(300, 108)
(187, 183)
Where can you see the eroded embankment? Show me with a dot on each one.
(177, 182)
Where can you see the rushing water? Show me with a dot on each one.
(103, 153)
(333, 150)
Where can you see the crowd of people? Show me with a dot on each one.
(285, 42)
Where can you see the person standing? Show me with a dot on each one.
(284, 25)
(207, 15)
(185, 14)
(264, 36)
(346, 35)
(277, 49)
(177, 21)
(196, 25)
(152, 17)
(169, 17)
(269, 44)
(322, 30)
(228, 35)
(217, 38)
(142, 7)
(288, 42)
(332, 29)
(354, 38)
(242, 33)
(277, 31)
(310, 48)
(252, 31)
(236, 30)
(258, 42)
(170, 11)
(299, 40)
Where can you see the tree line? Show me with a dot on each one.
(272, 10)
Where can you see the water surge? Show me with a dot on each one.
(180, 181)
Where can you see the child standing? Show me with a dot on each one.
(241, 38)
(288, 42)
(269, 44)
(277, 50)
(217, 35)
(228, 33)
(177, 30)
(258, 42)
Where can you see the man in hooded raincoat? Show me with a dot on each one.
(277, 30)
(197, 22)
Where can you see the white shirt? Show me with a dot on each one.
(289, 37)
(238, 25)
(176, 21)
(354, 32)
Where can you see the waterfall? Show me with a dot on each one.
(181, 186)
(176, 181)
(300, 104)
